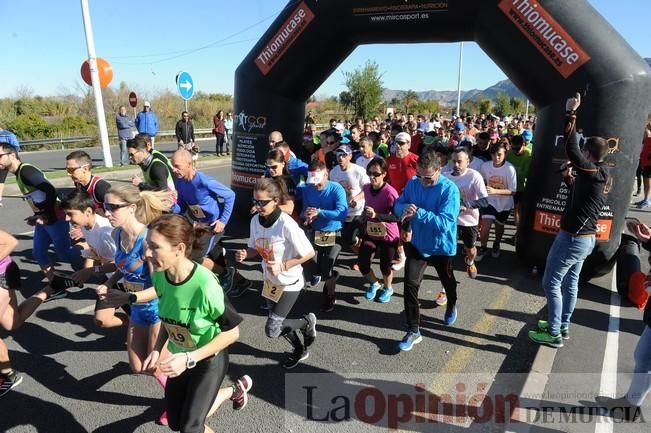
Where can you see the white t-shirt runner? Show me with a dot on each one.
(503, 177)
(471, 186)
(100, 239)
(353, 179)
(282, 241)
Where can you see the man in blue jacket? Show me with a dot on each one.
(324, 210)
(147, 122)
(429, 206)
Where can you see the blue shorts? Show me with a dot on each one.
(145, 314)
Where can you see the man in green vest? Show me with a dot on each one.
(50, 225)
(156, 168)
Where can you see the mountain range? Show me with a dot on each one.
(449, 97)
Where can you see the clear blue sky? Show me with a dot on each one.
(44, 46)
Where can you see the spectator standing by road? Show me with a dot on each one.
(228, 131)
(577, 236)
(147, 122)
(185, 132)
(219, 130)
(124, 123)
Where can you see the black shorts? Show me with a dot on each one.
(646, 171)
(189, 397)
(517, 197)
(208, 245)
(490, 213)
(468, 235)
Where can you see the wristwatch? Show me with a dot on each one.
(133, 298)
(189, 362)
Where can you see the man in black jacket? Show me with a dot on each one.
(185, 132)
(577, 236)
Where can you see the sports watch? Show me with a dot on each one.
(189, 362)
(133, 298)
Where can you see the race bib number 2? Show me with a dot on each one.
(180, 336)
(272, 291)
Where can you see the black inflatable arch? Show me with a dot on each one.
(548, 48)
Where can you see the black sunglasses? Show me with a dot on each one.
(400, 143)
(111, 207)
(272, 167)
(425, 177)
(260, 203)
(374, 174)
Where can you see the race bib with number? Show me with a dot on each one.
(180, 336)
(376, 229)
(197, 212)
(133, 287)
(324, 239)
(272, 291)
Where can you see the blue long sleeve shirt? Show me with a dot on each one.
(332, 205)
(204, 199)
(434, 226)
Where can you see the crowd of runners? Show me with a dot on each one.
(408, 191)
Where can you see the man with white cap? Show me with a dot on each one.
(147, 122)
(324, 210)
(352, 177)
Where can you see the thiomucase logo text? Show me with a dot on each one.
(546, 34)
(284, 38)
(243, 180)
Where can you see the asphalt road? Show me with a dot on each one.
(77, 379)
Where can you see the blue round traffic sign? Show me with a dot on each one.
(185, 85)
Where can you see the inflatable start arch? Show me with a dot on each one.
(548, 48)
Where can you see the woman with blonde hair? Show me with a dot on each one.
(129, 210)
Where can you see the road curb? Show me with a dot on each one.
(62, 182)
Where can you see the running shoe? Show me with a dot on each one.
(411, 338)
(239, 288)
(372, 290)
(315, 280)
(481, 252)
(309, 333)
(226, 280)
(56, 295)
(643, 204)
(295, 358)
(441, 299)
(385, 295)
(162, 419)
(240, 396)
(328, 303)
(495, 252)
(398, 265)
(544, 337)
(471, 270)
(543, 325)
(450, 315)
(9, 381)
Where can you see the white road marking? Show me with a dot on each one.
(608, 385)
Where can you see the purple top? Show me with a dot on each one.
(382, 202)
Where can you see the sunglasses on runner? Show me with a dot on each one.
(112, 207)
(260, 203)
(272, 167)
(428, 178)
(71, 170)
(374, 174)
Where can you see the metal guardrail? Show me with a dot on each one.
(24, 145)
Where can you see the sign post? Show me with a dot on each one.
(185, 86)
(133, 101)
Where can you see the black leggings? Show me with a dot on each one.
(278, 325)
(415, 268)
(189, 397)
(384, 249)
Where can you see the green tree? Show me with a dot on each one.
(517, 105)
(485, 106)
(409, 98)
(346, 100)
(365, 89)
(502, 104)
